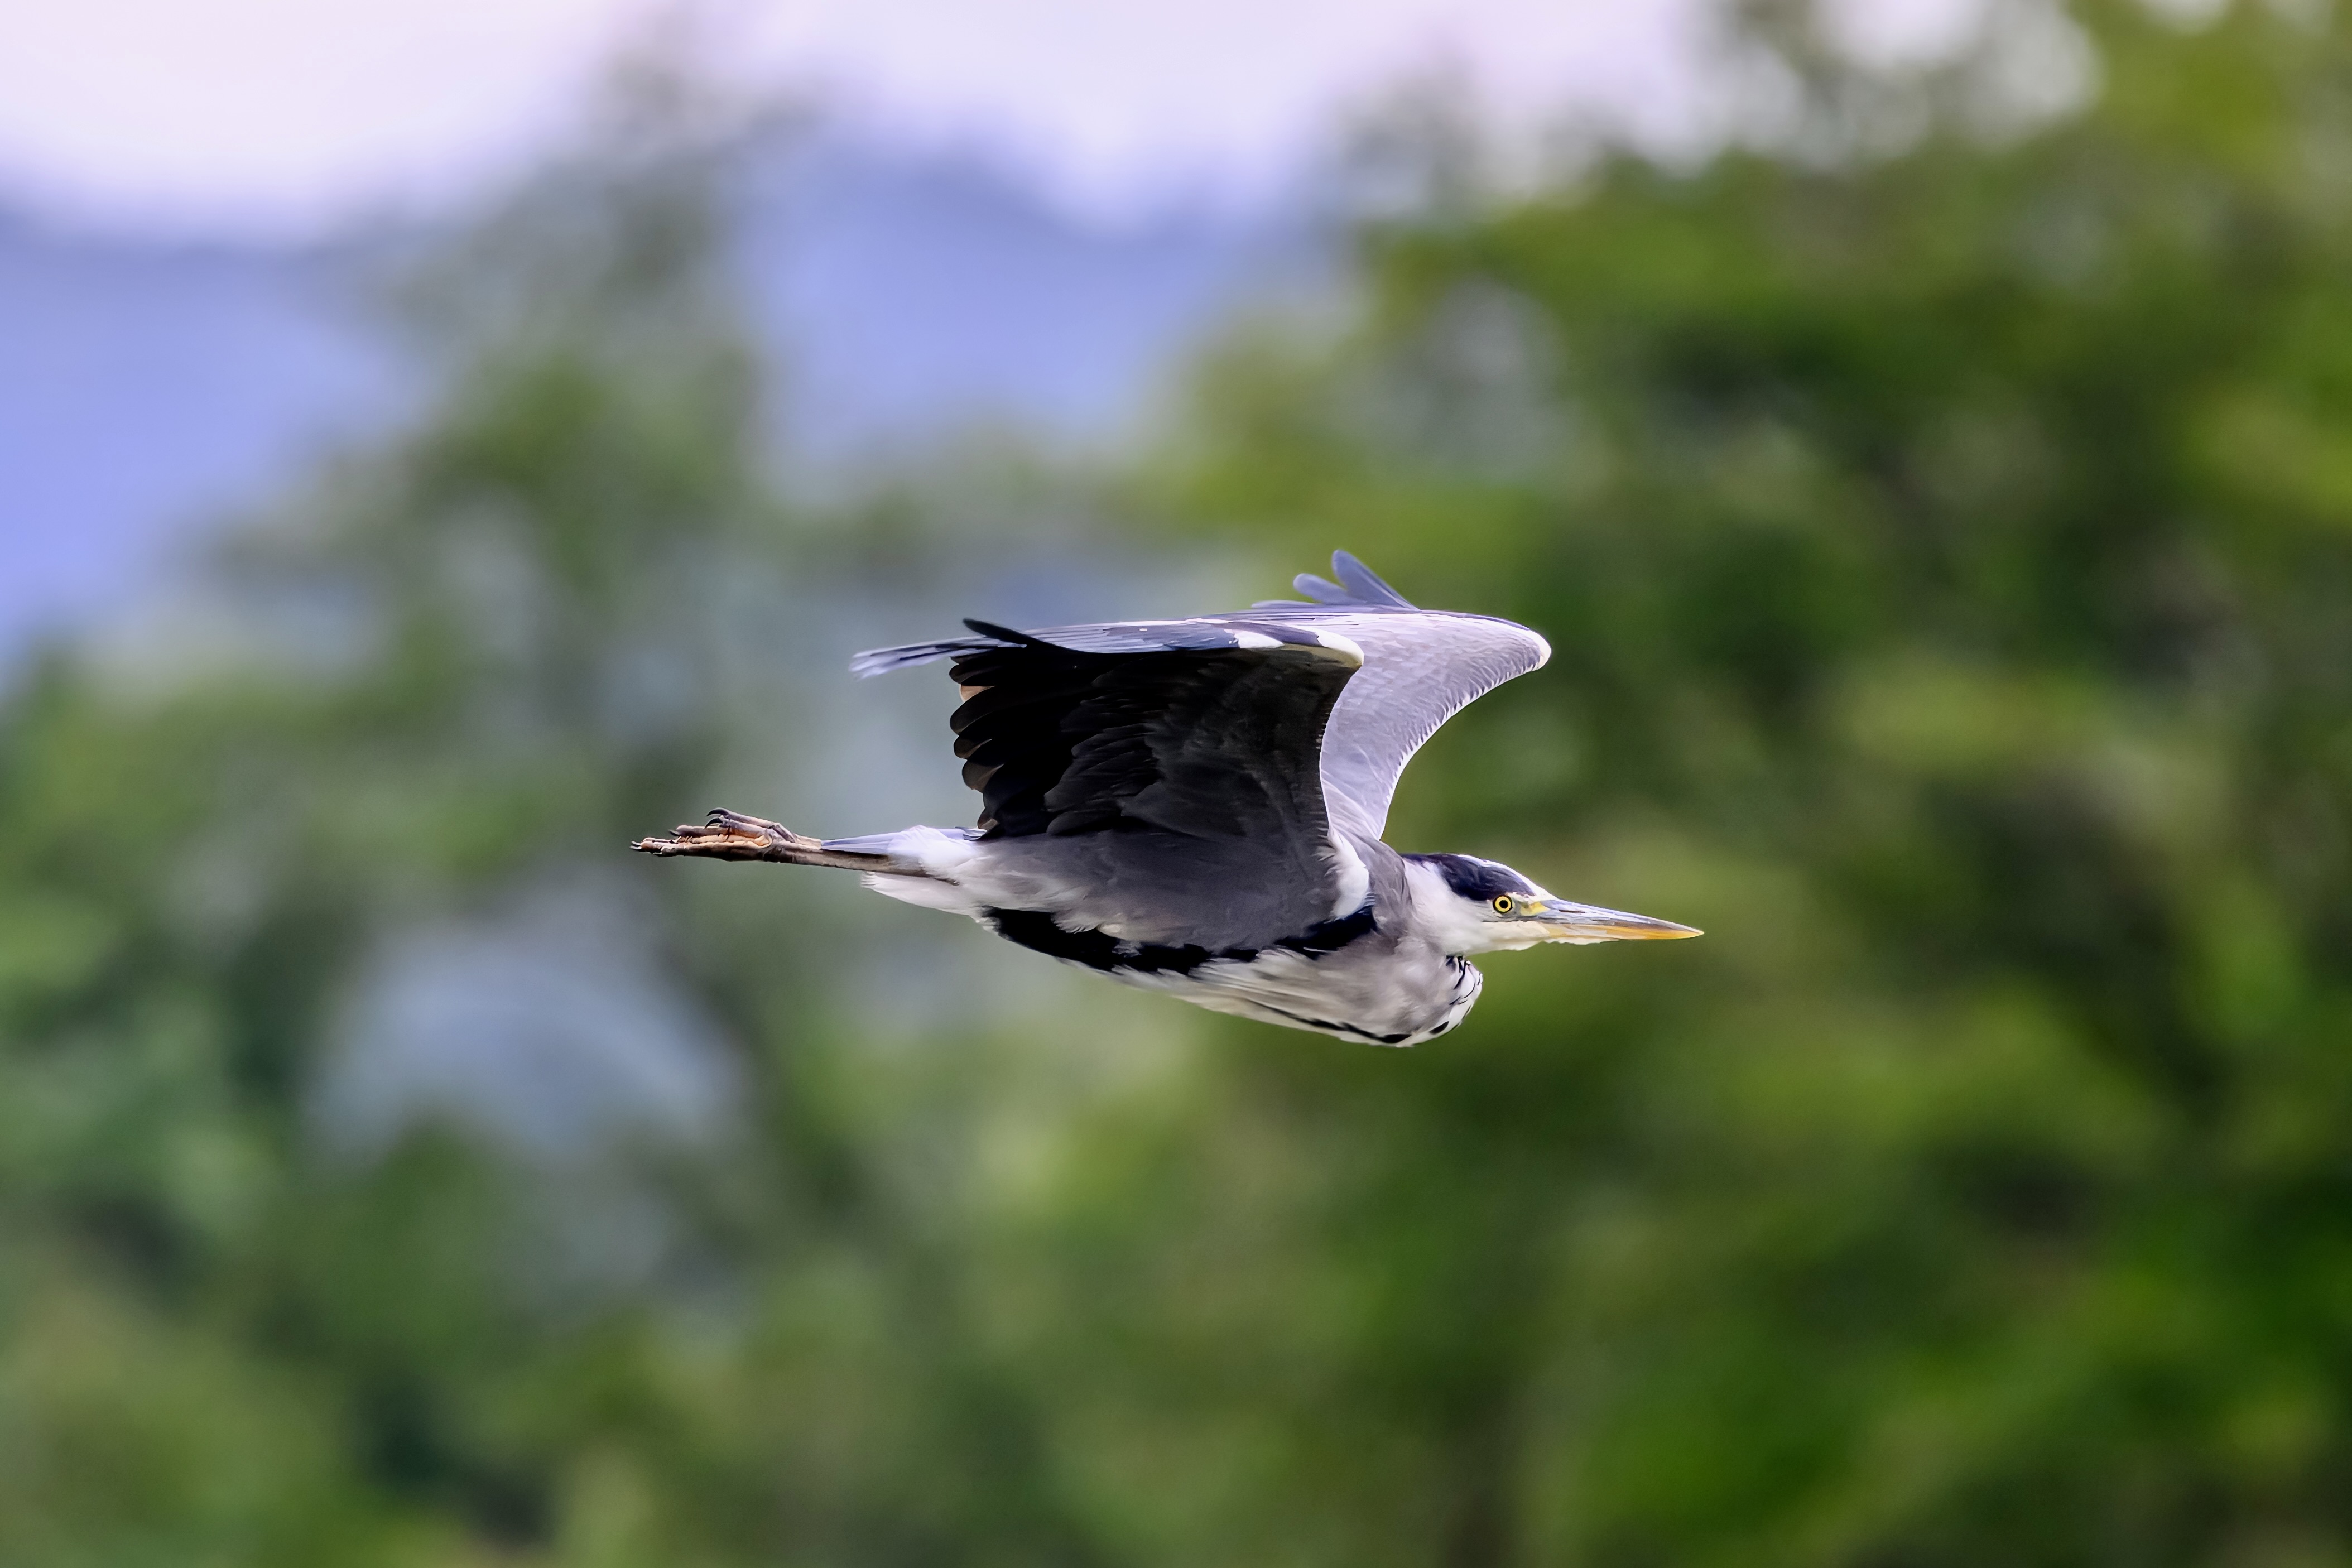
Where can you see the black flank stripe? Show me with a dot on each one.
(1035, 930)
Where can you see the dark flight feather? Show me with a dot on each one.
(1220, 743)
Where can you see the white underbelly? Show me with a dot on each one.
(1404, 1005)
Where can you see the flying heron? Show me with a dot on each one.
(1195, 807)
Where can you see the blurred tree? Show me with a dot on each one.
(452, 668)
(1938, 515)
(288, 1272)
(1953, 614)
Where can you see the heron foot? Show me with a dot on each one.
(732, 836)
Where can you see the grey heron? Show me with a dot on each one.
(1195, 807)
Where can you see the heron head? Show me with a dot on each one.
(1482, 906)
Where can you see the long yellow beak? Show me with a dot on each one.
(1564, 922)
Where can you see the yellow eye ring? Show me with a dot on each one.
(1503, 904)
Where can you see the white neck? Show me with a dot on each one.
(1448, 921)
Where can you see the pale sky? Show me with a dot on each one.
(284, 116)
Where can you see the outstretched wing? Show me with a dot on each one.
(1158, 780)
(1384, 675)
(1421, 668)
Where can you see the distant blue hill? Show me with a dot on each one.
(143, 386)
(917, 296)
(146, 389)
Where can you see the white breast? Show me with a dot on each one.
(1380, 996)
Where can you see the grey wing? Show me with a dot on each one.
(1159, 781)
(1421, 668)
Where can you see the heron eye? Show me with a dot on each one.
(1502, 903)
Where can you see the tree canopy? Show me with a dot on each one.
(1944, 540)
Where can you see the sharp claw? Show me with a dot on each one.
(727, 836)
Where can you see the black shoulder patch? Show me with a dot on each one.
(1035, 930)
(1475, 880)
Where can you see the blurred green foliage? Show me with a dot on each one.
(1947, 552)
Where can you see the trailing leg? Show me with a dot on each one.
(732, 836)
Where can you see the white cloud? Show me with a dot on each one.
(1106, 96)
(281, 112)
(288, 114)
